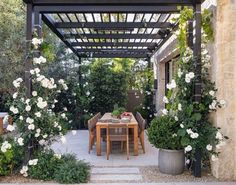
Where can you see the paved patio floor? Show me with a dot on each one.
(78, 145)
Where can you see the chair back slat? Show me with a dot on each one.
(141, 121)
(93, 121)
(117, 132)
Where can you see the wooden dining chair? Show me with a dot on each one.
(142, 125)
(117, 132)
(92, 130)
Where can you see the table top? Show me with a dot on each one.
(108, 115)
(3, 114)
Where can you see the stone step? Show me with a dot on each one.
(115, 178)
(118, 170)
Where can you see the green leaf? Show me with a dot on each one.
(181, 132)
(185, 141)
(197, 116)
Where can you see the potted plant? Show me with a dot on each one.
(118, 111)
(162, 133)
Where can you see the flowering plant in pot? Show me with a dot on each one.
(162, 133)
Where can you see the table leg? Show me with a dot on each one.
(98, 142)
(135, 140)
(1, 126)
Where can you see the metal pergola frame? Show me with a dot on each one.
(112, 39)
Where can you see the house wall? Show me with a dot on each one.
(223, 72)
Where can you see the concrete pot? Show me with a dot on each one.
(171, 161)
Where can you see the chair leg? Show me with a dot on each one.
(89, 147)
(127, 148)
(108, 149)
(142, 141)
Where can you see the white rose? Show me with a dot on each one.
(188, 148)
(219, 136)
(14, 110)
(20, 141)
(34, 93)
(214, 158)
(191, 75)
(164, 111)
(181, 125)
(28, 108)
(42, 142)
(179, 107)
(29, 120)
(31, 127)
(21, 118)
(165, 99)
(212, 93)
(10, 128)
(176, 118)
(36, 42)
(15, 95)
(38, 114)
(58, 156)
(63, 139)
(209, 147)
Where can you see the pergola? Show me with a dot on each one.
(115, 29)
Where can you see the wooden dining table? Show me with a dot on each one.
(133, 124)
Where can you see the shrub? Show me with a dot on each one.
(72, 172)
(46, 166)
(63, 169)
(162, 133)
(10, 156)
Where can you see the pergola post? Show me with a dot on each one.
(197, 85)
(28, 62)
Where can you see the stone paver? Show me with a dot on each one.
(122, 170)
(78, 144)
(116, 178)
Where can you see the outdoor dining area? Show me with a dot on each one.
(124, 129)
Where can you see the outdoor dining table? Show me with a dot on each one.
(133, 124)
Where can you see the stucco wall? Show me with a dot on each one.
(224, 74)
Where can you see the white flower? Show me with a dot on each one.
(59, 127)
(14, 110)
(65, 109)
(194, 135)
(179, 73)
(209, 147)
(176, 118)
(187, 80)
(38, 114)
(189, 131)
(74, 132)
(87, 93)
(31, 127)
(29, 120)
(219, 136)
(15, 95)
(188, 148)
(63, 139)
(222, 103)
(38, 130)
(174, 135)
(55, 124)
(222, 143)
(20, 141)
(187, 161)
(165, 99)
(164, 111)
(39, 60)
(63, 115)
(41, 104)
(17, 82)
(214, 158)
(34, 93)
(191, 75)
(65, 87)
(37, 135)
(181, 125)
(212, 93)
(21, 118)
(33, 162)
(24, 170)
(45, 136)
(10, 128)
(58, 156)
(179, 107)
(27, 101)
(28, 108)
(36, 42)
(5, 146)
(171, 85)
(42, 142)
(61, 81)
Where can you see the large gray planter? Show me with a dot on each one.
(171, 161)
